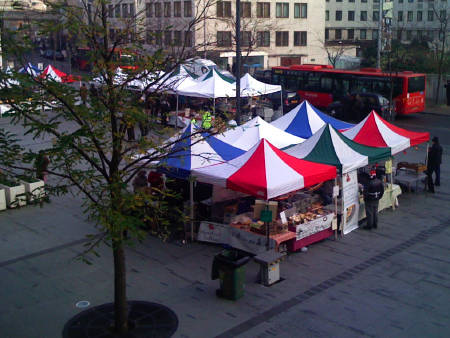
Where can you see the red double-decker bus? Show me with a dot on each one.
(322, 84)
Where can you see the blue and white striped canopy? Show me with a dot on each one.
(196, 151)
(304, 120)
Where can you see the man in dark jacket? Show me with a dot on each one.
(434, 164)
(373, 192)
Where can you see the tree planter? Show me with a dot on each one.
(145, 319)
(34, 190)
(12, 200)
(2, 199)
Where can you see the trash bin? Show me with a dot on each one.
(229, 267)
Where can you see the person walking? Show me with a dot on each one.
(41, 166)
(373, 192)
(140, 181)
(434, 164)
(83, 93)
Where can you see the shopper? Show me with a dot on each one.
(140, 181)
(83, 93)
(41, 166)
(434, 164)
(373, 192)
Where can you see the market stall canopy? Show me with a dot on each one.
(195, 150)
(54, 74)
(252, 87)
(248, 134)
(120, 77)
(329, 146)
(376, 132)
(304, 120)
(179, 78)
(212, 85)
(265, 172)
(8, 81)
(30, 69)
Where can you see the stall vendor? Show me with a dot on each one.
(326, 192)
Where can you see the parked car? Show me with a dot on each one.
(356, 106)
(290, 100)
(48, 54)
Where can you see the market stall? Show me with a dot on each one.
(30, 69)
(250, 133)
(54, 74)
(266, 173)
(304, 120)
(329, 146)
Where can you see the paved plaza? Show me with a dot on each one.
(390, 282)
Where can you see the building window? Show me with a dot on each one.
(338, 0)
(117, 11)
(327, 15)
(223, 39)
(363, 34)
(177, 36)
(410, 16)
(400, 16)
(246, 9)
(419, 16)
(148, 10)
(282, 10)
(363, 1)
(300, 39)
(246, 38)
(350, 34)
(410, 1)
(430, 15)
(409, 35)
(376, 16)
(168, 38)
(443, 14)
(327, 34)
(188, 37)
(167, 9)
(177, 12)
(223, 9)
(149, 38)
(399, 35)
(132, 11)
(338, 15)
(263, 9)
(158, 10)
(351, 15)
(188, 14)
(338, 34)
(282, 39)
(110, 11)
(158, 36)
(124, 10)
(351, 0)
(375, 34)
(263, 39)
(301, 10)
(363, 16)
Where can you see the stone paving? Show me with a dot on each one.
(392, 282)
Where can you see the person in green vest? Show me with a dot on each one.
(206, 120)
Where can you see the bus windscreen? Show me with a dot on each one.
(416, 84)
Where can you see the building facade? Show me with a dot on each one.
(358, 20)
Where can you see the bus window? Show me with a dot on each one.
(326, 84)
(312, 82)
(416, 84)
(291, 83)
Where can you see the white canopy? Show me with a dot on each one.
(214, 85)
(247, 135)
(119, 77)
(252, 87)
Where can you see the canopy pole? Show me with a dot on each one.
(191, 198)
(267, 229)
(426, 155)
(281, 98)
(392, 183)
(336, 209)
(214, 105)
(176, 115)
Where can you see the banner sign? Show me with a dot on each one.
(234, 237)
(350, 202)
(315, 226)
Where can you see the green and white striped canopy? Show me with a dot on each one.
(329, 146)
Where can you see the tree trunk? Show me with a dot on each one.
(441, 61)
(120, 291)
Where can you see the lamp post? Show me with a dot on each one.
(238, 61)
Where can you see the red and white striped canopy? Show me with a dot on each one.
(51, 73)
(265, 172)
(376, 132)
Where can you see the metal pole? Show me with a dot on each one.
(176, 116)
(281, 98)
(380, 13)
(238, 61)
(191, 197)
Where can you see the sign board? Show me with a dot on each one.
(350, 202)
(236, 238)
(314, 226)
